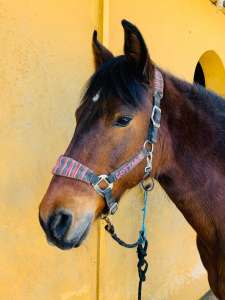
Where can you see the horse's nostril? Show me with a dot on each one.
(59, 224)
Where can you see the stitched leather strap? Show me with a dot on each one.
(156, 110)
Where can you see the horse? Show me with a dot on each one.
(112, 122)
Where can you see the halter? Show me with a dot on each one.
(68, 167)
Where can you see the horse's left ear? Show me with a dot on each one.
(136, 50)
(101, 54)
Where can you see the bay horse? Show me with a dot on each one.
(112, 124)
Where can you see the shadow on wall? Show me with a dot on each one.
(210, 72)
(209, 296)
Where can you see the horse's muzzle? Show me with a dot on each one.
(61, 232)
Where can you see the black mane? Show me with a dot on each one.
(116, 78)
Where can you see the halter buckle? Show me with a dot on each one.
(102, 178)
(148, 147)
(156, 116)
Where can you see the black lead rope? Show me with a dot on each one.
(111, 230)
(141, 244)
(142, 265)
(142, 247)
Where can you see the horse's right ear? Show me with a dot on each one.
(101, 54)
(136, 50)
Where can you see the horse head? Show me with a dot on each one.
(112, 122)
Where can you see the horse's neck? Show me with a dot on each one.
(187, 169)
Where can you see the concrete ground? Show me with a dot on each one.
(209, 296)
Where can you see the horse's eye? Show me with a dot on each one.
(122, 121)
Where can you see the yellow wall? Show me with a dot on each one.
(46, 57)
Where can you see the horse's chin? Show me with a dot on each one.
(63, 245)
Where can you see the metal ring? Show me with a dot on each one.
(96, 186)
(149, 186)
(147, 143)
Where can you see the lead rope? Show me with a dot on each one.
(142, 248)
(141, 244)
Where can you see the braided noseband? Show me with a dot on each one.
(71, 168)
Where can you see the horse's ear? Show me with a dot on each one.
(101, 54)
(136, 50)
